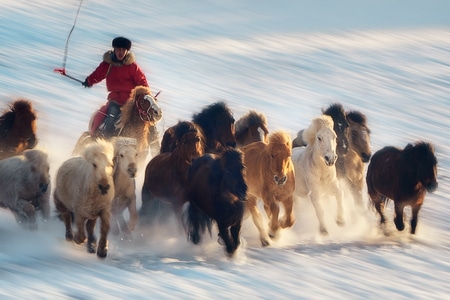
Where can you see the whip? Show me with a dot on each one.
(62, 70)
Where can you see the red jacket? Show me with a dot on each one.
(121, 77)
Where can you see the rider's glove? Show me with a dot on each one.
(85, 84)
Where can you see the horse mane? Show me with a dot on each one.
(120, 142)
(19, 107)
(211, 113)
(90, 153)
(250, 119)
(280, 138)
(420, 152)
(358, 117)
(127, 108)
(334, 110)
(309, 133)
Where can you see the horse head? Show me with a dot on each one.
(148, 107)
(125, 156)
(340, 126)
(359, 136)
(217, 123)
(189, 141)
(39, 170)
(321, 136)
(100, 155)
(422, 157)
(280, 150)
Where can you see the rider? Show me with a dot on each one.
(122, 74)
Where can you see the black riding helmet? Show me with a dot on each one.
(121, 42)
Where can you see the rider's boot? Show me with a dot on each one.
(112, 117)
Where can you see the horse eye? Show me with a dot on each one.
(95, 165)
(121, 155)
(319, 138)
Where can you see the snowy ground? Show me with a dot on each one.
(290, 60)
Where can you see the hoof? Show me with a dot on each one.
(265, 243)
(102, 252)
(340, 223)
(79, 239)
(69, 236)
(91, 247)
(323, 231)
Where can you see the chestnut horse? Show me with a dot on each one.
(166, 175)
(403, 176)
(139, 115)
(315, 174)
(270, 177)
(217, 190)
(17, 129)
(217, 123)
(251, 127)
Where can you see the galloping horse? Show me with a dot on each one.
(217, 190)
(17, 129)
(358, 153)
(315, 174)
(166, 174)
(139, 114)
(270, 177)
(251, 127)
(217, 123)
(403, 176)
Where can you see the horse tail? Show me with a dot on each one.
(195, 223)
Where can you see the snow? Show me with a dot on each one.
(388, 59)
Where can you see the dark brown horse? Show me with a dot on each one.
(17, 129)
(217, 191)
(163, 191)
(352, 164)
(403, 176)
(251, 127)
(139, 116)
(217, 123)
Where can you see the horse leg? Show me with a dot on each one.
(126, 233)
(414, 219)
(80, 236)
(398, 220)
(105, 218)
(289, 218)
(339, 194)
(91, 240)
(153, 141)
(257, 219)
(193, 224)
(315, 200)
(66, 217)
(27, 209)
(132, 210)
(235, 231)
(274, 226)
(226, 237)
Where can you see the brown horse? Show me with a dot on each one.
(251, 127)
(218, 191)
(217, 123)
(163, 191)
(352, 168)
(139, 115)
(17, 129)
(403, 176)
(270, 177)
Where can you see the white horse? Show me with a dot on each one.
(85, 190)
(315, 174)
(125, 169)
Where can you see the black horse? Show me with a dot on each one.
(403, 176)
(217, 191)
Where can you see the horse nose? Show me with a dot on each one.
(231, 144)
(132, 170)
(330, 160)
(366, 157)
(432, 186)
(43, 187)
(32, 142)
(280, 181)
(103, 188)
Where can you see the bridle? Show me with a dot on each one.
(147, 115)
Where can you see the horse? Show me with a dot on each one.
(315, 174)
(251, 127)
(403, 175)
(24, 186)
(217, 123)
(270, 177)
(139, 116)
(125, 169)
(340, 126)
(17, 128)
(163, 190)
(352, 166)
(84, 191)
(217, 191)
